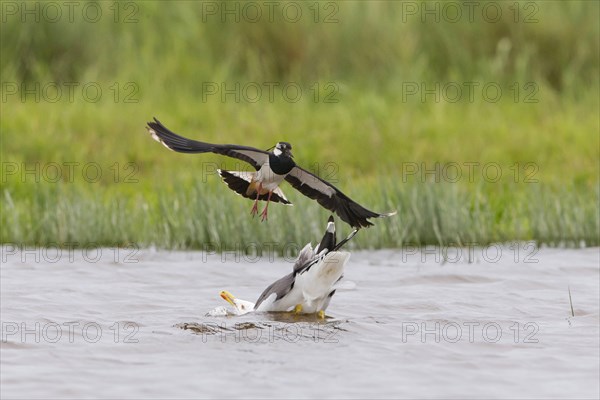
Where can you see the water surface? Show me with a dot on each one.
(126, 324)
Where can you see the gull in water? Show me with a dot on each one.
(308, 288)
(240, 307)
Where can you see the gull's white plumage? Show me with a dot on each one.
(309, 287)
(318, 281)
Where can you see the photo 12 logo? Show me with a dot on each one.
(70, 92)
(469, 11)
(468, 171)
(469, 331)
(70, 332)
(69, 11)
(250, 252)
(453, 253)
(270, 92)
(248, 332)
(270, 11)
(469, 92)
(328, 170)
(70, 252)
(68, 172)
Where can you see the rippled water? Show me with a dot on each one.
(133, 324)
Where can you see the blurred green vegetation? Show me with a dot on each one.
(369, 43)
(162, 55)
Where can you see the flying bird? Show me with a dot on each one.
(272, 168)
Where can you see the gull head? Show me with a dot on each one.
(241, 306)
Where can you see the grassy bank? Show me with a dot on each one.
(379, 115)
(204, 216)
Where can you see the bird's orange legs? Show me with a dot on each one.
(254, 210)
(265, 211)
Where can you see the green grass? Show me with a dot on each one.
(367, 142)
(202, 216)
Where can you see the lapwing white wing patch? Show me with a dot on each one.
(239, 182)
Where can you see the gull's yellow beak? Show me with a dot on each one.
(228, 297)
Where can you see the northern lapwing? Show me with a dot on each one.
(272, 167)
(309, 287)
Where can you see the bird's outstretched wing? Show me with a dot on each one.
(282, 286)
(173, 141)
(332, 198)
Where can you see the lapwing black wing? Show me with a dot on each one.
(172, 141)
(331, 198)
(260, 185)
(272, 167)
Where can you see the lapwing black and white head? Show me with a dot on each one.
(283, 148)
(272, 168)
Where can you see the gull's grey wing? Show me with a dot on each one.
(280, 287)
(173, 141)
(303, 268)
(331, 198)
(306, 254)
